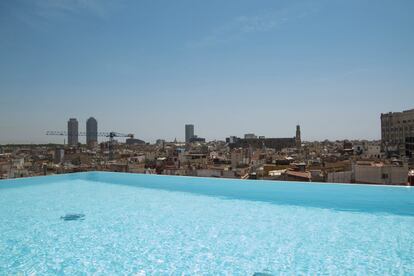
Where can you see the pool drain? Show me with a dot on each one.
(69, 217)
(262, 274)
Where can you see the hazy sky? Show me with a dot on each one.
(228, 67)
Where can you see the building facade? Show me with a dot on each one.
(73, 132)
(59, 155)
(395, 128)
(189, 133)
(134, 141)
(250, 140)
(409, 147)
(372, 152)
(250, 136)
(271, 143)
(195, 138)
(91, 131)
(378, 173)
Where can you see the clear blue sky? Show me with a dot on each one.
(229, 67)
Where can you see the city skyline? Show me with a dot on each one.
(75, 135)
(228, 68)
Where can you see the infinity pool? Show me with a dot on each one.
(113, 223)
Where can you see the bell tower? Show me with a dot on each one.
(297, 138)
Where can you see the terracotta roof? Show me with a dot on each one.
(299, 174)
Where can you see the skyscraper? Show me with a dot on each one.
(73, 132)
(91, 131)
(189, 133)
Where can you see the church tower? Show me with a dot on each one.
(298, 139)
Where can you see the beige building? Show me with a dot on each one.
(239, 157)
(380, 173)
(395, 127)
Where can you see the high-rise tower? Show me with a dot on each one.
(189, 132)
(91, 131)
(73, 132)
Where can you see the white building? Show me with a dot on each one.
(18, 163)
(372, 152)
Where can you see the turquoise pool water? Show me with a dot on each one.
(160, 225)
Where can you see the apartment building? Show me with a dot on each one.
(395, 128)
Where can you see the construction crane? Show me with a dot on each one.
(111, 135)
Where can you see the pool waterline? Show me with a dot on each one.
(349, 197)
